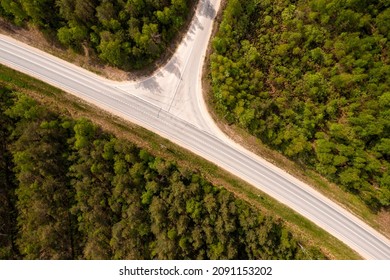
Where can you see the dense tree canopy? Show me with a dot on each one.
(72, 191)
(7, 181)
(311, 78)
(128, 34)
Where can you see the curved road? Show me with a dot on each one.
(170, 103)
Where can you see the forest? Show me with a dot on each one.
(125, 33)
(69, 190)
(311, 79)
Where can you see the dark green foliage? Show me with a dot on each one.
(311, 79)
(7, 181)
(128, 34)
(91, 177)
(42, 13)
(84, 194)
(44, 195)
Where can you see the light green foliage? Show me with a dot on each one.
(72, 36)
(13, 10)
(311, 79)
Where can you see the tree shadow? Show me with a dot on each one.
(150, 84)
(195, 25)
(173, 67)
(207, 10)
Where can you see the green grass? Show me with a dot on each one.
(304, 230)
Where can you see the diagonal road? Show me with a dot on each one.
(170, 103)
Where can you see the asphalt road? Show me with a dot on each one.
(170, 103)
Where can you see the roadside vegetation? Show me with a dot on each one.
(126, 34)
(76, 190)
(311, 79)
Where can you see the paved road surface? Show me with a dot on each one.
(170, 103)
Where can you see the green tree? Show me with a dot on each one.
(43, 192)
(8, 228)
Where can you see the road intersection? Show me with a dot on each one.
(170, 103)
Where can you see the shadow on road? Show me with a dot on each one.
(195, 25)
(173, 67)
(207, 10)
(151, 85)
